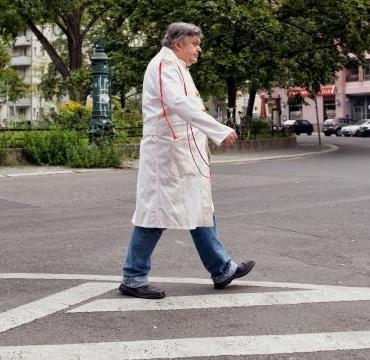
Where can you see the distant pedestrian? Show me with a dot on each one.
(173, 186)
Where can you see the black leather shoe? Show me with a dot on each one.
(144, 292)
(242, 270)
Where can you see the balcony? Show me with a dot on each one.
(20, 61)
(357, 88)
(23, 102)
(22, 41)
(366, 76)
(352, 77)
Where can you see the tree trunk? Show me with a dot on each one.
(73, 23)
(122, 99)
(49, 48)
(231, 101)
(72, 29)
(252, 97)
(75, 40)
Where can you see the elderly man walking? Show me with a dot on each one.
(173, 186)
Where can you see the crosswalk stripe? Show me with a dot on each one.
(173, 280)
(225, 300)
(193, 347)
(50, 304)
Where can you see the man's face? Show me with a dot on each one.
(189, 49)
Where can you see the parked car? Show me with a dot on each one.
(354, 130)
(364, 129)
(334, 126)
(299, 126)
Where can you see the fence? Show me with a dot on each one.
(135, 132)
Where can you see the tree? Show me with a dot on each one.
(238, 45)
(325, 36)
(11, 86)
(254, 44)
(75, 21)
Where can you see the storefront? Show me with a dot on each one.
(329, 107)
(301, 106)
(360, 107)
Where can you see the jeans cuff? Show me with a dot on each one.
(135, 281)
(229, 272)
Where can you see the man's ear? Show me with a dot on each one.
(178, 45)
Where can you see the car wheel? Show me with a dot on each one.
(356, 134)
(327, 134)
(309, 133)
(338, 132)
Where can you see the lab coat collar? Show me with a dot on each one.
(170, 56)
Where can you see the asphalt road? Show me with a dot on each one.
(304, 220)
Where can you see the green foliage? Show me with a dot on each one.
(71, 148)
(4, 145)
(259, 125)
(123, 118)
(54, 86)
(76, 20)
(253, 44)
(10, 83)
(319, 38)
(127, 122)
(72, 115)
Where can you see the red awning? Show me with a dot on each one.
(297, 91)
(327, 90)
(324, 91)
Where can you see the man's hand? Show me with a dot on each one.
(230, 139)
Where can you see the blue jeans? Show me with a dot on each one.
(143, 241)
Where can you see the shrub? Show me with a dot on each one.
(107, 154)
(71, 148)
(73, 115)
(128, 124)
(259, 126)
(4, 145)
(123, 118)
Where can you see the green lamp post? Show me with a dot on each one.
(101, 120)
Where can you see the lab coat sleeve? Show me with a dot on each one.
(177, 102)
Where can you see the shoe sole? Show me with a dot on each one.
(250, 266)
(126, 291)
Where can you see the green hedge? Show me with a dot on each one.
(4, 144)
(71, 148)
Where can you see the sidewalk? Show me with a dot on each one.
(299, 151)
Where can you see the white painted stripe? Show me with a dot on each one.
(195, 281)
(224, 300)
(48, 305)
(38, 276)
(193, 347)
(56, 172)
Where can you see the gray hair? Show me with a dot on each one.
(177, 32)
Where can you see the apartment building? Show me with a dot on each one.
(30, 60)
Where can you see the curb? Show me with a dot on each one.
(133, 165)
(274, 157)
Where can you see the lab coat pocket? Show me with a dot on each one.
(182, 163)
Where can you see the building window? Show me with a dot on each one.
(295, 112)
(352, 74)
(367, 70)
(329, 107)
(360, 107)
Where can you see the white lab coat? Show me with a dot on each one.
(171, 191)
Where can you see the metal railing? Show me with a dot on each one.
(132, 132)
